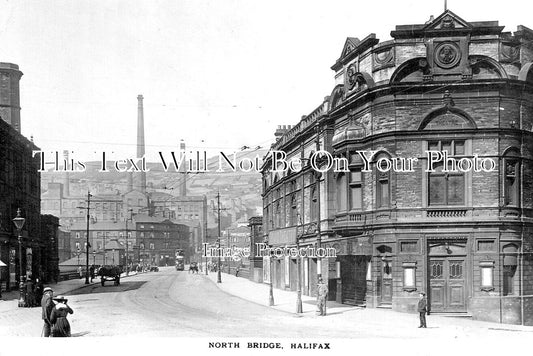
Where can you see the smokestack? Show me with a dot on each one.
(140, 140)
(66, 183)
(183, 172)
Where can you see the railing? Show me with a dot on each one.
(455, 213)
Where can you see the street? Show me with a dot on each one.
(178, 304)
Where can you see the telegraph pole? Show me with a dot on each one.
(205, 237)
(219, 278)
(87, 245)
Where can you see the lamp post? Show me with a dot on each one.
(299, 308)
(94, 256)
(127, 251)
(78, 253)
(19, 223)
(271, 288)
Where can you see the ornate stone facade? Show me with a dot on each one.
(462, 90)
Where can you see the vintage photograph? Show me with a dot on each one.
(221, 176)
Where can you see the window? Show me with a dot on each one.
(446, 188)
(77, 235)
(141, 246)
(382, 189)
(279, 217)
(78, 246)
(313, 204)
(510, 263)
(293, 210)
(356, 190)
(508, 279)
(341, 192)
(152, 246)
(511, 180)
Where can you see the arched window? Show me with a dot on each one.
(342, 187)
(511, 181)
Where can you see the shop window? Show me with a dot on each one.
(487, 275)
(446, 188)
(510, 263)
(409, 276)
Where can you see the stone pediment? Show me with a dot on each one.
(447, 21)
(350, 44)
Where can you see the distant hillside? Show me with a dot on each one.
(240, 191)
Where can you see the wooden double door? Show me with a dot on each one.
(447, 282)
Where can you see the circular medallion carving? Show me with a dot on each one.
(352, 77)
(447, 55)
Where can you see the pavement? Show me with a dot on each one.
(342, 314)
(9, 300)
(283, 300)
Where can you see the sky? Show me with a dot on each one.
(219, 74)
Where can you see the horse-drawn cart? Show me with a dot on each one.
(110, 273)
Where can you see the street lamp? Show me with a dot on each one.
(19, 223)
(271, 288)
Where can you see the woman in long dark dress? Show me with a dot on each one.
(58, 318)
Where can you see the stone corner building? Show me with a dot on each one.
(463, 237)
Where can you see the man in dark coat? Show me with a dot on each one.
(47, 305)
(322, 295)
(91, 272)
(422, 309)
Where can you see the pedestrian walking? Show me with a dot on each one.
(38, 291)
(30, 293)
(422, 309)
(91, 272)
(80, 272)
(322, 294)
(60, 324)
(47, 306)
